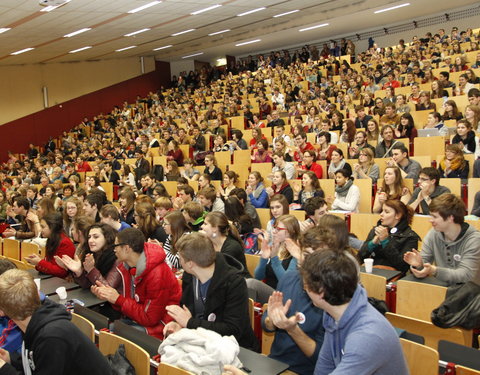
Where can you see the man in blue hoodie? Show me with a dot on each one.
(358, 339)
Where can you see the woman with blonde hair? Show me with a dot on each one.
(366, 167)
(393, 187)
(73, 209)
(279, 255)
(373, 131)
(454, 165)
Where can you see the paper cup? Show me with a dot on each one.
(37, 282)
(368, 265)
(62, 292)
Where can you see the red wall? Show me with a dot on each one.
(36, 128)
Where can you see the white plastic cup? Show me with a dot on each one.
(62, 292)
(37, 282)
(368, 265)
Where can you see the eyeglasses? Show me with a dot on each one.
(278, 229)
(119, 244)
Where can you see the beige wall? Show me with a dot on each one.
(21, 92)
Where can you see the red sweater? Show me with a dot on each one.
(49, 266)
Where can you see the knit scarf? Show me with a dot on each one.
(456, 163)
(342, 191)
(332, 168)
(258, 190)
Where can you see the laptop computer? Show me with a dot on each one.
(428, 132)
(99, 321)
(149, 343)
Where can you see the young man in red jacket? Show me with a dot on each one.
(149, 285)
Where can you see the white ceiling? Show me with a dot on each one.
(109, 21)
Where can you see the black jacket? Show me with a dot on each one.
(234, 249)
(54, 346)
(403, 240)
(226, 305)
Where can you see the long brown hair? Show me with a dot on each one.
(220, 221)
(178, 227)
(398, 185)
(293, 228)
(145, 217)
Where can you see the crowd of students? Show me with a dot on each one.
(129, 252)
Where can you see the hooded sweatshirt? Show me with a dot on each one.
(457, 261)
(361, 342)
(148, 289)
(54, 346)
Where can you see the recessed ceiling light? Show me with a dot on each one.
(52, 7)
(77, 32)
(286, 13)
(195, 54)
(144, 7)
(183, 32)
(206, 9)
(159, 48)
(249, 42)
(391, 8)
(219, 32)
(124, 49)
(22, 51)
(137, 32)
(4, 29)
(80, 49)
(313, 27)
(251, 11)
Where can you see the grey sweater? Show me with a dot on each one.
(457, 261)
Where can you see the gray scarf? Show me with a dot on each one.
(342, 191)
(258, 190)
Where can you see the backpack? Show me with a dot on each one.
(250, 243)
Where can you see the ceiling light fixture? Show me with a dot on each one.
(159, 48)
(219, 32)
(22, 51)
(206, 9)
(183, 32)
(144, 7)
(77, 32)
(251, 11)
(314, 27)
(249, 42)
(124, 49)
(52, 7)
(137, 32)
(4, 29)
(286, 13)
(392, 8)
(80, 49)
(195, 54)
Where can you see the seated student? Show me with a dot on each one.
(145, 276)
(408, 168)
(235, 212)
(109, 215)
(185, 194)
(465, 137)
(338, 162)
(20, 214)
(225, 239)
(331, 280)
(393, 187)
(175, 226)
(250, 210)
(92, 205)
(108, 174)
(10, 334)
(309, 164)
(384, 147)
(347, 195)
(126, 199)
(366, 167)
(212, 169)
(434, 121)
(281, 186)
(281, 165)
(194, 214)
(428, 188)
(454, 164)
(162, 205)
(189, 172)
(58, 244)
(314, 208)
(54, 345)
(257, 194)
(96, 261)
(391, 238)
(275, 259)
(230, 178)
(214, 294)
(451, 244)
(148, 223)
(310, 188)
(209, 200)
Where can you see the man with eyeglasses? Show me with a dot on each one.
(360, 144)
(427, 190)
(149, 285)
(301, 146)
